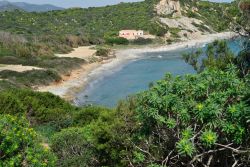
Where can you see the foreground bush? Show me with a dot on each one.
(40, 108)
(98, 138)
(73, 149)
(31, 78)
(198, 120)
(217, 55)
(19, 146)
(179, 121)
(46, 108)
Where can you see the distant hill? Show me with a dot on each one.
(6, 6)
(10, 6)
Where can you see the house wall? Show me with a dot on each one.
(131, 34)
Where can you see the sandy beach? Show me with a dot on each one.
(71, 85)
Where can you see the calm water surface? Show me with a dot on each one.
(136, 75)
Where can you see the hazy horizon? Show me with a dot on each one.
(85, 3)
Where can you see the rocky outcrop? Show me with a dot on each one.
(168, 7)
(189, 28)
(169, 14)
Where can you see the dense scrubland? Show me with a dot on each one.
(219, 16)
(60, 30)
(193, 120)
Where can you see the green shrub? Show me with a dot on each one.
(19, 145)
(242, 60)
(31, 78)
(142, 41)
(217, 55)
(103, 52)
(41, 108)
(4, 85)
(86, 115)
(57, 64)
(116, 40)
(175, 32)
(73, 149)
(99, 134)
(158, 30)
(10, 104)
(195, 117)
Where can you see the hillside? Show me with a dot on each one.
(95, 22)
(191, 18)
(219, 16)
(32, 38)
(92, 21)
(11, 6)
(6, 6)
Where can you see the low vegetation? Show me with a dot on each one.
(43, 31)
(217, 55)
(18, 50)
(142, 41)
(213, 115)
(103, 51)
(80, 26)
(213, 14)
(196, 118)
(19, 145)
(193, 120)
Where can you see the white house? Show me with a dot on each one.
(131, 34)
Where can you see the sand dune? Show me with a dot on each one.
(18, 68)
(83, 52)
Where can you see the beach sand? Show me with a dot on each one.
(70, 84)
(79, 78)
(83, 52)
(18, 68)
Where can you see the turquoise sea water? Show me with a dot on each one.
(136, 75)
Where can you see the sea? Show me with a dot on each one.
(116, 81)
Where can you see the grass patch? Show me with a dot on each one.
(5, 84)
(61, 65)
(175, 32)
(46, 131)
(30, 78)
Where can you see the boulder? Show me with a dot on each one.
(169, 7)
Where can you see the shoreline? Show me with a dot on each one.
(197, 42)
(78, 80)
(68, 87)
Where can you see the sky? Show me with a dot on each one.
(83, 3)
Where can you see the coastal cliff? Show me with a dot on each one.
(173, 14)
(169, 7)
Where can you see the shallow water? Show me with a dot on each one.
(110, 86)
